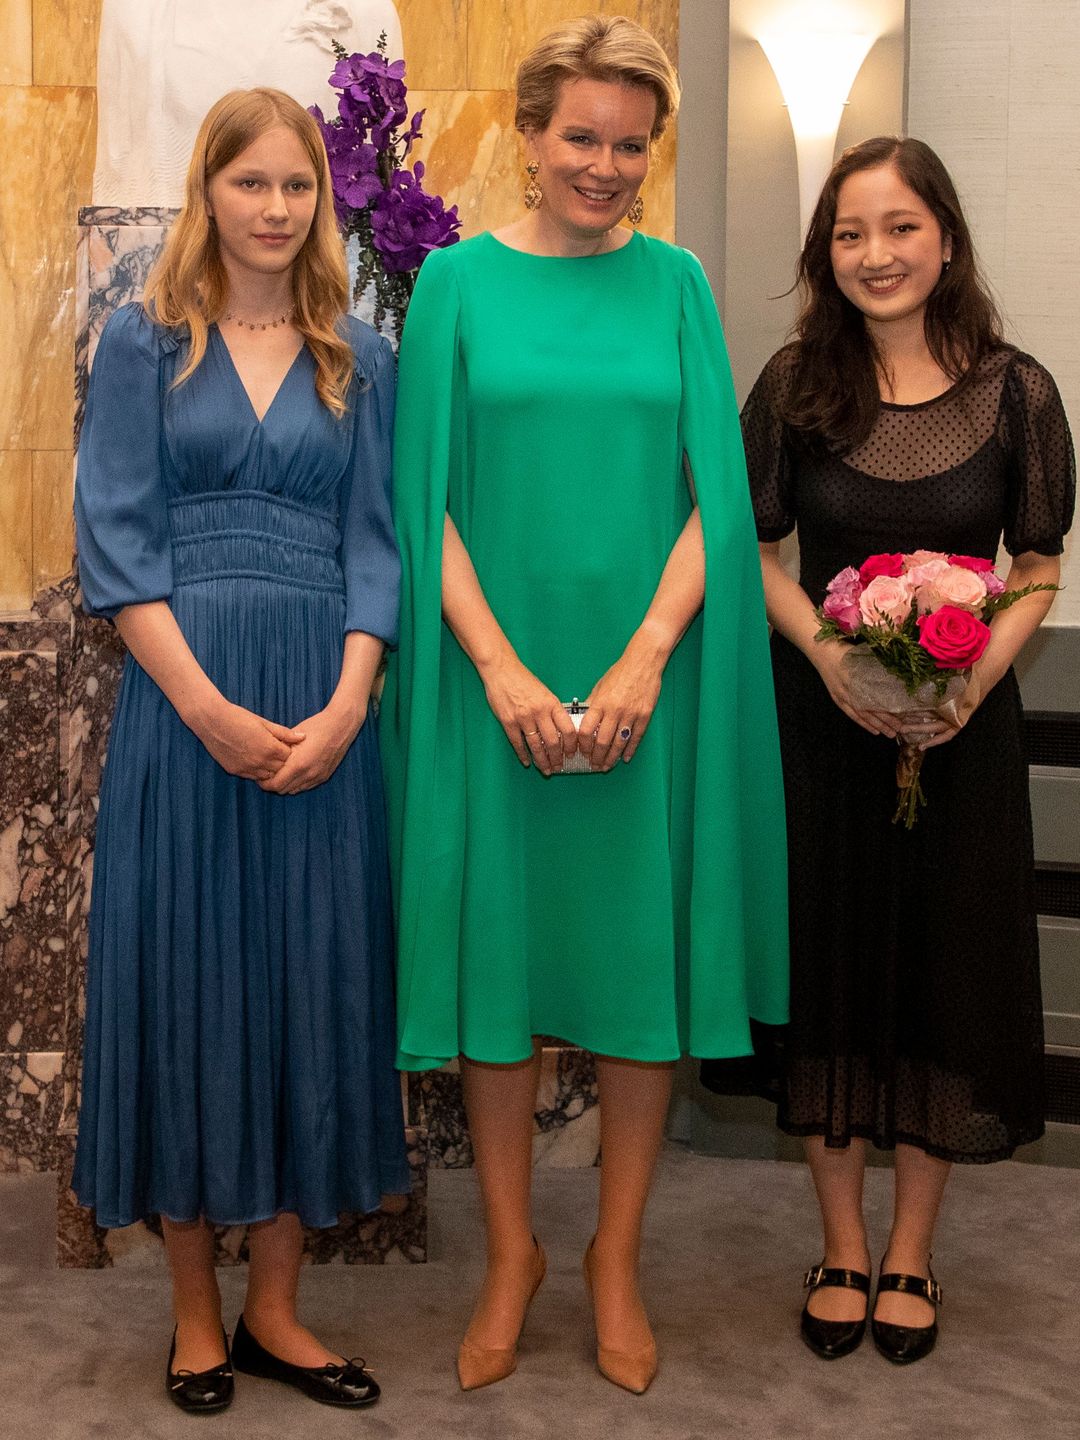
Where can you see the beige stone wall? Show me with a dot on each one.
(992, 86)
(461, 58)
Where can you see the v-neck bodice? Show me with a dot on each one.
(189, 488)
(213, 440)
(215, 334)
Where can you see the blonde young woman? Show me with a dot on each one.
(233, 520)
(561, 381)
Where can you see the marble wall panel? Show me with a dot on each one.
(45, 167)
(116, 251)
(473, 154)
(30, 1101)
(33, 870)
(395, 1234)
(65, 41)
(566, 1130)
(434, 34)
(16, 42)
(16, 529)
(53, 524)
(502, 31)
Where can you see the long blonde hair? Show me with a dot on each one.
(188, 286)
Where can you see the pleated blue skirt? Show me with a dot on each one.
(239, 1021)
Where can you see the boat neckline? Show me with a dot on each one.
(528, 254)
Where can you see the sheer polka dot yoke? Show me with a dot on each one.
(991, 458)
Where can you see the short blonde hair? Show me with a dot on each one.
(596, 47)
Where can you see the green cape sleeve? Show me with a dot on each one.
(420, 739)
(738, 919)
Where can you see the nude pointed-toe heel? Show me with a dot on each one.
(632, 1370)
(479, 1365)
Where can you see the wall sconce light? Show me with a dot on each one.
(815, 69)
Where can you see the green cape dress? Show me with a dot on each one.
(547, 404)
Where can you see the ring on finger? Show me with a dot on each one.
(625, 733)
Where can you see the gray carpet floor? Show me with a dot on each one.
(82, 1353)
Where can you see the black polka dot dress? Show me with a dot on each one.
(915, 999)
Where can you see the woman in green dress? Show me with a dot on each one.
(568, 471)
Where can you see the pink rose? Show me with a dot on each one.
(955, 585)
(842, 599)
(923, 557)
(919, 577)
(874, 565)
(983, 568)
(846, 579)
(886, 600)
(953, 637)
(994, 586)
(844, 611)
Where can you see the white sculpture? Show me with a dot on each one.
(163, 63)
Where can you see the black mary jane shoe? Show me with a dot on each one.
(833, 1338)
(200, 1392)
(348, 1386)
(903, 1344)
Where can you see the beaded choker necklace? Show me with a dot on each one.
(259, 324)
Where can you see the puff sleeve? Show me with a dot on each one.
(121, 519)
(369, 553)
(768, 459)
(1042, 466)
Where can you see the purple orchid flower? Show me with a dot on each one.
(407, 223)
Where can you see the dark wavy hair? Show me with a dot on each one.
(834, 400)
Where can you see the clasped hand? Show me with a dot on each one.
(919, 728)
(282, 760)
(541, 732)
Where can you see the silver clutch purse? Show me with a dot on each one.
(576, 764)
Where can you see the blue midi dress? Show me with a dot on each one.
(239, 1021)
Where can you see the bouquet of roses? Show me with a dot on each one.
(377, 199)
(917, 624)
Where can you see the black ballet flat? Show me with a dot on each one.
(200, 1392)
(904, 1344)
(833, 1338)
(348, 1386)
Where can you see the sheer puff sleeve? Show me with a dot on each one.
(1035, 435)
(765, 440)
(121, 520)
(369, 553)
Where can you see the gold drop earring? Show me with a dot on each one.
(534, 192)
(636, 213)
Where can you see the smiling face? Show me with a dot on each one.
(593, 156)
(887, 246)
(263, 202)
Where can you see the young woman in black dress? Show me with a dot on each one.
(901, 420)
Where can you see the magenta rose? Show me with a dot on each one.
(954, 637)
(874, 565)
(886, 600)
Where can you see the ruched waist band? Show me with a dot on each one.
(247, 533)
